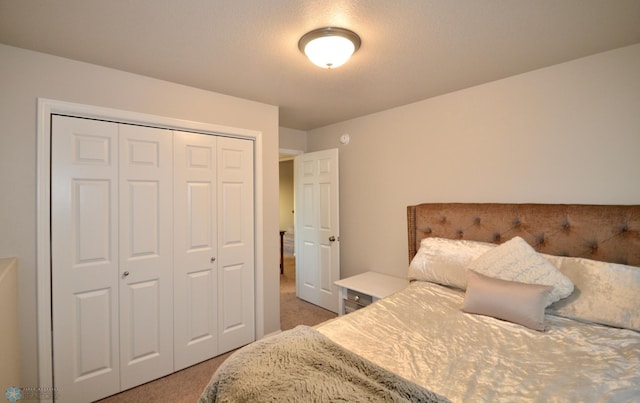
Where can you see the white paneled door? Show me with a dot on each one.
(214, 246)
(152, 240)
(195, 245)
(317, 227)
(236, 264)
(146, 254)
(85, 259)
(112, 262)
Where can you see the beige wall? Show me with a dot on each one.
(293, 139)
(26, 75)
(564, 134)
(10, 335)
(286, 196)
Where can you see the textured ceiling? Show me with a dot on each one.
(411, 49)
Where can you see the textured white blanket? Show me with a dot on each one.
(302, 365)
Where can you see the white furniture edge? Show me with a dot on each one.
(377, 285)
(47, 107)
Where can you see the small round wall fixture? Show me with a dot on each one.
(329, 47)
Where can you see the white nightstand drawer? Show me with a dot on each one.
(350, 306)
(359, 298)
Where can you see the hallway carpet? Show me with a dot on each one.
(294, 311)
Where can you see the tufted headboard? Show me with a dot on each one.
(608, 233)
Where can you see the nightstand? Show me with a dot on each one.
(361, 290)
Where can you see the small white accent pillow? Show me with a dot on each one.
(444, 261)
(605, 293)
(516, 260)
(512, 301)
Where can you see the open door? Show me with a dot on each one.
(317, 227)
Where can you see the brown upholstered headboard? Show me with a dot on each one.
(600, 232)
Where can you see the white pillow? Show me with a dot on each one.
(445, 261)
(605, 293)
(512, 301)
(516, 260)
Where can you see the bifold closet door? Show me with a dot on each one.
(152, 239)
(84, 253)
(236, 296)
(214, 246)
(111, 201)
(146, 254)
(195, 248)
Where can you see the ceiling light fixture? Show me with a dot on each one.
(329, 47)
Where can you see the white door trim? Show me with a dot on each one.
(290, 151)
(47, 107)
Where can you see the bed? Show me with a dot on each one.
(508, 302)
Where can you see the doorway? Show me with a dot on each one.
(311, 233)
(287, 225)
(293, 310)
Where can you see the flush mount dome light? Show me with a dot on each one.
(329, 47)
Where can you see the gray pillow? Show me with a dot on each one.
(512, 301)
(516, 260)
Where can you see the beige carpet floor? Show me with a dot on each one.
(185, 386)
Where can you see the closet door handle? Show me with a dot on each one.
(126, 273)
(213, 259)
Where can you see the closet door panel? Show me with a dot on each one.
(84, 257)
(195, 248)
(232, 297)
(146, 254)
(200, 305)
(235, 243)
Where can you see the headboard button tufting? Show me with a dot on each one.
(601, 232)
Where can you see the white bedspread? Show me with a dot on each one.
(421, 334)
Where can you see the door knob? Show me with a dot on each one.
(213, 259)
(332, 238)
(126, 273)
